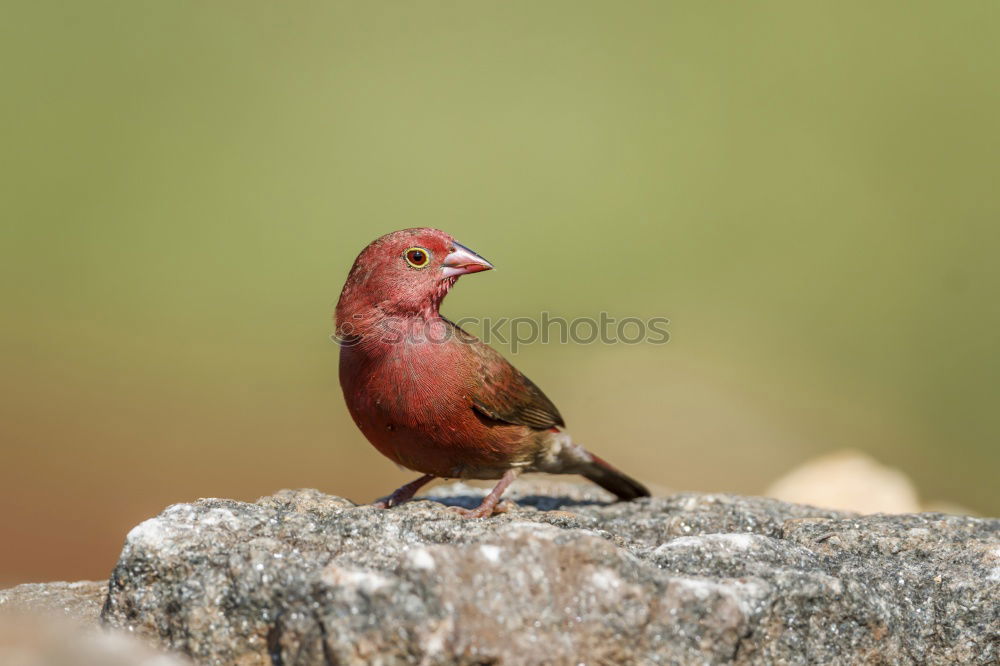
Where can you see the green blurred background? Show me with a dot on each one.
(807, 190)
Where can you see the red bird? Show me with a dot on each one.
(435, 399)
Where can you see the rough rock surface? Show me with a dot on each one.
(306, 578)
(42, 640)
(56, 624)
(78, 602)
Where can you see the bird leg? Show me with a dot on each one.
(489, 504)
(405, 493)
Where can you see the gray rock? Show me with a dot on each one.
(56, 624)
(306, 578)
(42, 640)
(78, 602)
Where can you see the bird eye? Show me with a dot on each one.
(417, 257)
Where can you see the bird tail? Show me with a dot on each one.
(561, 455)
(613, 480)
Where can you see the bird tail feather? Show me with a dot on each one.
(613, 480)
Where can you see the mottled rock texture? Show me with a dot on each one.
(306, 578)
(78, 602)
(56, 624)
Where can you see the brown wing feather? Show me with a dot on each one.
(502, 393)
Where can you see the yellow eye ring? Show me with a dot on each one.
(417, 257)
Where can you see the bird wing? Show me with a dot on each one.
(500, 392)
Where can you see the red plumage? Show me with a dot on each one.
(433, 398)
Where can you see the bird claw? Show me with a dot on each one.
(403, 494)
(389, 502)
(470, 513)
(504, 506)
(484, 510)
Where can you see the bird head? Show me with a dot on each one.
(407, 273)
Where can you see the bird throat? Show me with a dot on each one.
(437, 296)
(365, 321)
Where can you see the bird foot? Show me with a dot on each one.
(390, 501)
(484, 510)
(403, 494)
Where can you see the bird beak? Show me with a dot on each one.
(462, 260)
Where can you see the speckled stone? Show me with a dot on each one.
(566, 578)
(78, 602)
(56, 624)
